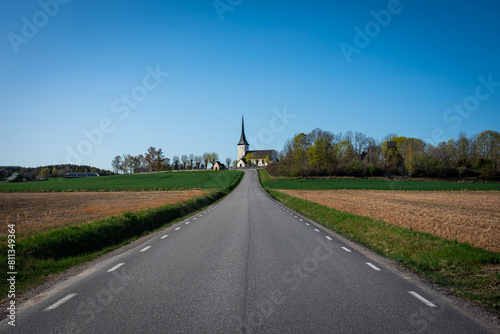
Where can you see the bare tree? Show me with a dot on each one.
(389, 137)
(198, 160)
(116, 163)
(175, 160)
(206, 158)
(213, 158)
(191, 158)
(139, 164)
(228, 162)
(184, 159)
(126, 163)
(360, 142)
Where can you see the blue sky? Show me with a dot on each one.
(73, 67)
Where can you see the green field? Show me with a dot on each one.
(331, 184)
(132, 182)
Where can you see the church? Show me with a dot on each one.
(255, 158)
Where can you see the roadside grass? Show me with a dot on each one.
(368, 184)
(130, 182)
(469, 272)
(44, 255)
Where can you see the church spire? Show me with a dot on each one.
(243, 140)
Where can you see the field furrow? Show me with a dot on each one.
(466, 216)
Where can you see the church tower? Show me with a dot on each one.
(242, 144)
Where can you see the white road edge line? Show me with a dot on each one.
(186, 223)
(372, 266)
(115, 267)
(166, 235)
(301, 219)
(60, 302)
(422, 299)
(328, 238)
(348, 250)
(178, 228)
(307, 224)
(316, 230)
(145, 249)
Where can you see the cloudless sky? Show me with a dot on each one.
(280, 63)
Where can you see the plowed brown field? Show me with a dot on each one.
(466, 216)
(42, 211)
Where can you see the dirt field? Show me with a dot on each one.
(43, 211)
(468, 216)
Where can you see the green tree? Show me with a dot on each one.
(410, 159)
(249, 157)
(300, 146)
(45, 172)
(320, 154)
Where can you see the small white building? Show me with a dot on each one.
(257, 158)
(219, 166)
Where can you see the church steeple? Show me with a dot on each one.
(243, 140)
(242, 144)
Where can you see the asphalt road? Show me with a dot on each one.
(245, 265)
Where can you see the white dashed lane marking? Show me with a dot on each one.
(145, 249)
(60, 302)
(316, 230)
(328, 238)
(422, 299)
(166, 235)
(177, 228)
(186, 223)
(372, 266)
(115, 267)
(348, 250)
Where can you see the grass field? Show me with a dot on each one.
(132, 182)
(466, 216)
(43, 211)
(331, 184)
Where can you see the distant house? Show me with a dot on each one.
(257, 157)
(75, 175)
(219, 166)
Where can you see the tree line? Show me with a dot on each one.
(31, 173)
(154, 160)
(323, 153)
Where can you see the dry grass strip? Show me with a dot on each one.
(33, 212)
(466, 216)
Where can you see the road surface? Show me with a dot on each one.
(245, 265)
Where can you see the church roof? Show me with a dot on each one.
(262, 153)
(243, 140)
